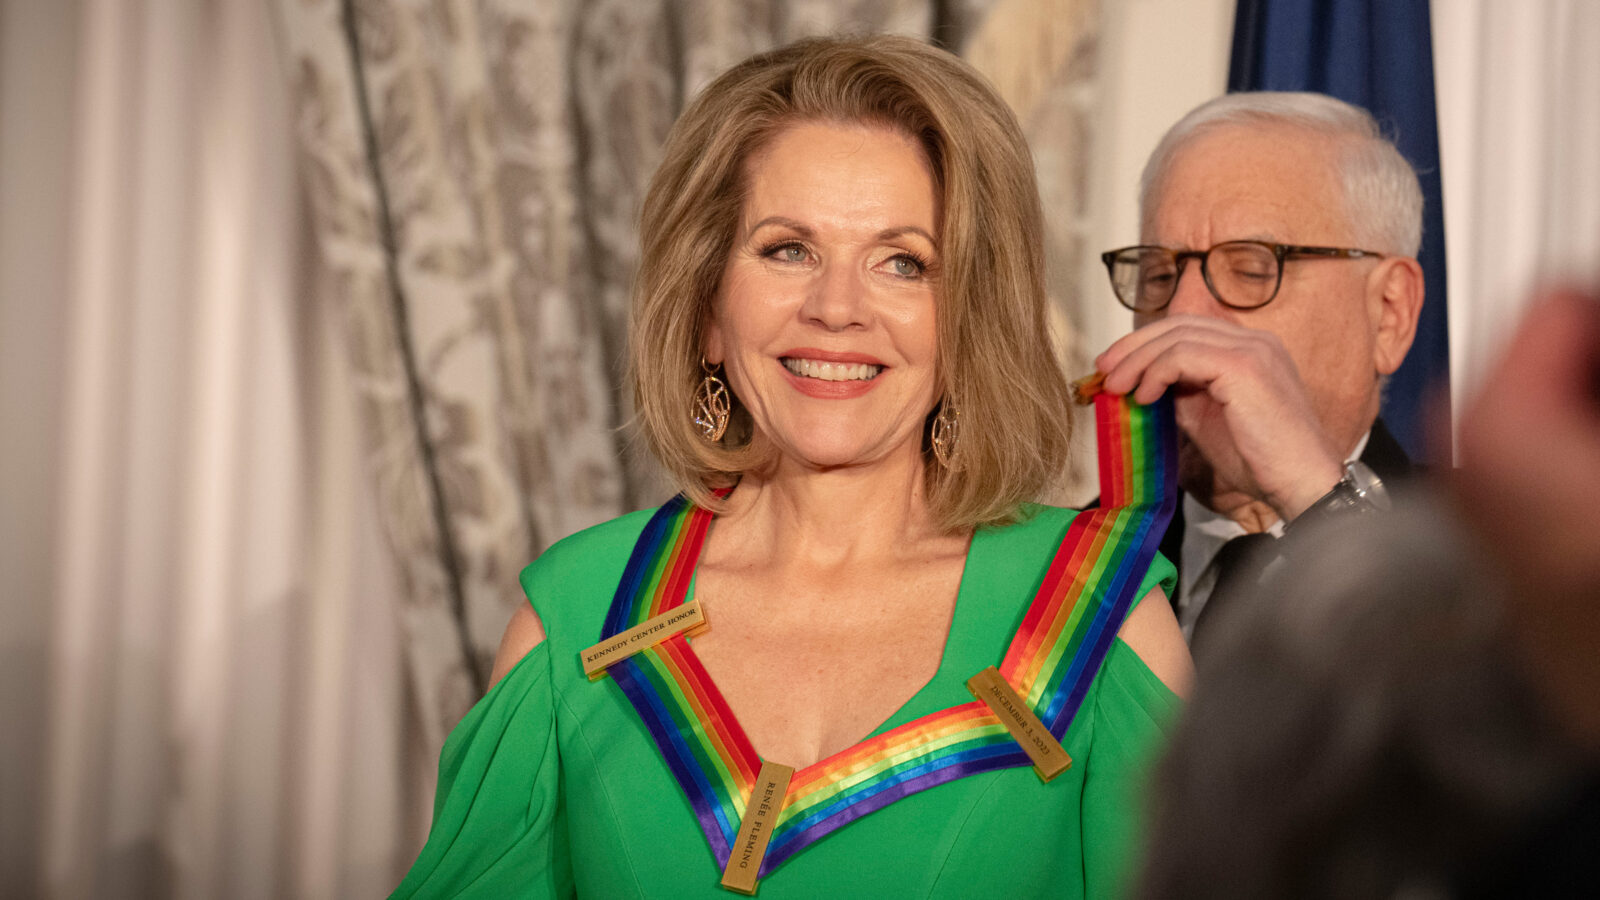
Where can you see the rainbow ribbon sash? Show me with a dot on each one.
(1082, 601)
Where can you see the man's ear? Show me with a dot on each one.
(1394, 300)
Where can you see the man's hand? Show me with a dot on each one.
(1240, 402)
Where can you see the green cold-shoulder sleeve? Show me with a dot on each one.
(1133, 712)
(497, 829)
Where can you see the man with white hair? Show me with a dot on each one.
(1275, 288)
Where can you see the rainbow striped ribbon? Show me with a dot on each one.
(1086, 593)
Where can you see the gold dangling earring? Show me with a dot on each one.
(946, 430)
(711, 404)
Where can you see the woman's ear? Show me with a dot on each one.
(1395, 293)
(711, 347)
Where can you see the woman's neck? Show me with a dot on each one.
(840, 516)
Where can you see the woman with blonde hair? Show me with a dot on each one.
(839, 351)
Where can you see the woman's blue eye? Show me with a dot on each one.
(906, 267)
(787, 253)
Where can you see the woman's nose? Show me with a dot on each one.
(837, 299)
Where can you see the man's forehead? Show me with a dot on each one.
(1263, 181)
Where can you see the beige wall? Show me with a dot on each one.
(1160, 58)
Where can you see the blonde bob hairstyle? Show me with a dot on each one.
(995, 358)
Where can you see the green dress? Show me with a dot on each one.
(552, 787)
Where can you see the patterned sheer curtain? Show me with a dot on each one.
(474, 171)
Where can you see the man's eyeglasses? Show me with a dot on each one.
(1240, 274)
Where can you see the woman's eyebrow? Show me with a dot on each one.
(796, 225)
(891, 233)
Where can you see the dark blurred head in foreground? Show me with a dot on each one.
(1413, 712)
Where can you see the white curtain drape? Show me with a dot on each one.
(225, 696)
(1519, 132)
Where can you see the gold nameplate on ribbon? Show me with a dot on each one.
(1049, 760)
(687, 618)
(755, 829)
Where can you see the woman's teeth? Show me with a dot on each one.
(830, 371)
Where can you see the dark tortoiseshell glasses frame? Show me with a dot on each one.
(1139, 298)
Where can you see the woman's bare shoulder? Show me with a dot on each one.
(1151, 631)
(523, 633)
(548, 579)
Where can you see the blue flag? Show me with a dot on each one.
(1377, 54)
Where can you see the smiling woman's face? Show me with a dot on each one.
(825, 319)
